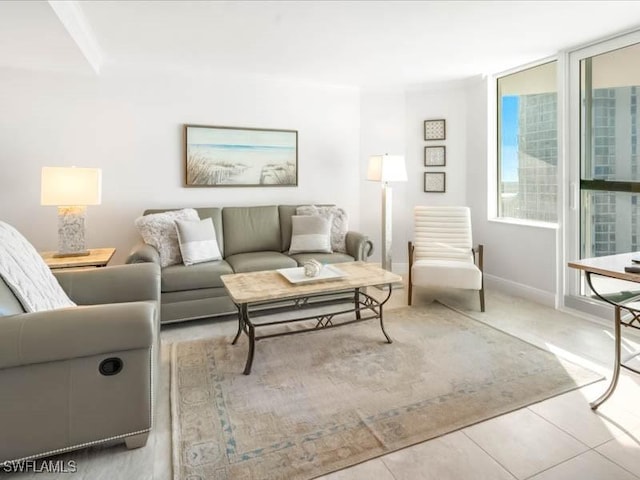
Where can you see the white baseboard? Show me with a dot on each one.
(520, 290)
(503, 285)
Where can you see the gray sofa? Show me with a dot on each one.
(250, 239)
(59, 385)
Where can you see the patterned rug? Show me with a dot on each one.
(322, 401)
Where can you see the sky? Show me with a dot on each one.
(509, 139)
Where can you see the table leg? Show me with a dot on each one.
(381, 319)
(356, 302)
(240, 325)
(616, 367)
(252, 337)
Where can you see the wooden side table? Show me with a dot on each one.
(98, 257)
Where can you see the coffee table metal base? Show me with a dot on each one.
(365, 308)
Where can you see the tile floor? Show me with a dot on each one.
(557, 439)
(560, 438)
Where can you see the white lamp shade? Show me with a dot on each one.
(71, 186)
(387, 168)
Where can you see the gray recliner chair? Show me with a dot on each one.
(79, 376)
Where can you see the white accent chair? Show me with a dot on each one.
(442, 253)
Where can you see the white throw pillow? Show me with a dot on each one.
(310, 233)
(197, 240)
(159, 231)
(26, 274)
(339, 223)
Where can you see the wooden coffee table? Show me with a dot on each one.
(257, 289)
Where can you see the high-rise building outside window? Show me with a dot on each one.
(528, 144)
(609, 180)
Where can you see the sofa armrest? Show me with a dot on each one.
(121, 283)
(359, 246)
(75, 332)
(143, 253)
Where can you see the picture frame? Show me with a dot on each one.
(435, 129)
(435, 182)
(435, 156)
(217, 156)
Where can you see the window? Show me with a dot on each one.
(609, 180)
(528, 144)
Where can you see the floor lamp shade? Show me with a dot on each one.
(384, 169)
(387, 168)
(71, 189)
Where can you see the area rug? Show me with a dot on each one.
(322, 401)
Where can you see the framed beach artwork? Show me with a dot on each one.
(240, 157)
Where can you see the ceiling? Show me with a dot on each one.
(366, 44)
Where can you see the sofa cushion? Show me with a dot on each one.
(197, 241)
(322, 257)
(159, 230)
(311, 233)
(176, 278)
(251, 229)
(446, 273)
(286, 212)
(257, 261)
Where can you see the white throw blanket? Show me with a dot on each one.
(24, 271)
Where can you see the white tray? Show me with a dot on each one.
(296, 275)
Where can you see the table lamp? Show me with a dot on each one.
(384, 169)
(71, 189)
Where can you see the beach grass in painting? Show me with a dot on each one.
(225, 156)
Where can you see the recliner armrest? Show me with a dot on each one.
(121, 283)
(75, 332)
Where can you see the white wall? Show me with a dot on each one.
(393, 122)
(382, 130)
(130, 124)
(520, 259)
(446, 102)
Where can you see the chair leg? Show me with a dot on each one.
(482, 299)
(410, 280)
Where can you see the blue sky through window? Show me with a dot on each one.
(509, 138)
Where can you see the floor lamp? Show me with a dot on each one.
(384, 169)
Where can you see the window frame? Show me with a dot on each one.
(570, 286)
(494, 170)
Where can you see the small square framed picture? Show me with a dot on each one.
(434, 130)
(435, 156)
(434, 182)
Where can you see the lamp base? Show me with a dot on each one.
(84, 253)
(71, 227)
